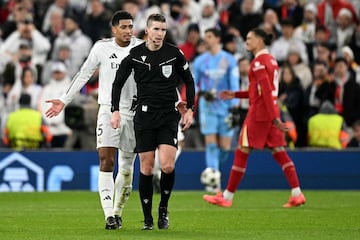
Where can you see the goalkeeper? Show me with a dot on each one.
(214, 71)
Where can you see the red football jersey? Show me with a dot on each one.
(258, 130)
(263, 88)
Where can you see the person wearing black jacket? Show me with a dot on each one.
(157, 66)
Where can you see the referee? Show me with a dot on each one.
(157, 68)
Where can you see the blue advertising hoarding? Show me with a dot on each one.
(78, 170)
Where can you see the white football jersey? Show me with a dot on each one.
(106, 55)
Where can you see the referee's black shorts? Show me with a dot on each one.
(153, 128)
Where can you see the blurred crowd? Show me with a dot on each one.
(317, 43)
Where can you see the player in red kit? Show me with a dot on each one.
(262, 126)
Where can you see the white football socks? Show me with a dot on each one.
(228, 195)
(123, 187)
(295, 192)
(106, 192)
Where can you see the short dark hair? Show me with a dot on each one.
(156, 17)
(340, 59)
(215, 31)
(25, 99)
(120, 15)
(267, 38)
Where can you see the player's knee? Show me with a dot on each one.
(125, 172)
(106, 164)
(168, 168)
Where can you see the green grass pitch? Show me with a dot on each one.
(254, 215)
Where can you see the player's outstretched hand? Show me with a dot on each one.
(56, 107)
(227, 94)
(115, 119)
(187, 119)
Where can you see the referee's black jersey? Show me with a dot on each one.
(156, 75)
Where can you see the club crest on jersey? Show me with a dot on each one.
(143, 58)
(258, 66)
(166, 70)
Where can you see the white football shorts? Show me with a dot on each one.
(106, 136)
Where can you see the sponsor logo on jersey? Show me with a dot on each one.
(113, 56)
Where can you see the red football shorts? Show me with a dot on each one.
(261, 134)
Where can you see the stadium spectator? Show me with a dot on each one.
(324, 52)
(354, 67)
(328, 11)
(26, 31)
(140, 10)
(192, 39)
(209, 16)
(355, 141)
(314, 94)
(291, 9)
(17, 13)
(96, 23)
(280, 47)
(239, 41)
(192, 10)
(80, 44)
(301, 69)
(345, 28)
(355, 43)
(52, 90)
(55, 28)
(263, 114)
(13, 70)
(61, 6)
(306, 31)
(229, 10)
(271, 21)
(214, 71)
(156, 120)
(178, 22)
(291, 95)
(229, 43)
(29, 86)
(327, 129)
(105, 56)
(248, 19)
(25, 128)
(63, 55)
(347, 93)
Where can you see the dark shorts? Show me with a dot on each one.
(155, 128)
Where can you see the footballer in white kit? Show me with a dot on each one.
(107, 55)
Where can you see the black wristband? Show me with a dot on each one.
(113, 109)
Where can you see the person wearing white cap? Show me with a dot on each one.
(54, 89)
(306, 31)
(354, 67)
(345, 27)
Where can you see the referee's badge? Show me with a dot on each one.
(166, 70)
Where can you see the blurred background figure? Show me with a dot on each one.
(355, 141)
(53, 90)
(327, 128)
(72, 36)
(25, 128)
(96, 23)
(214, 71)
